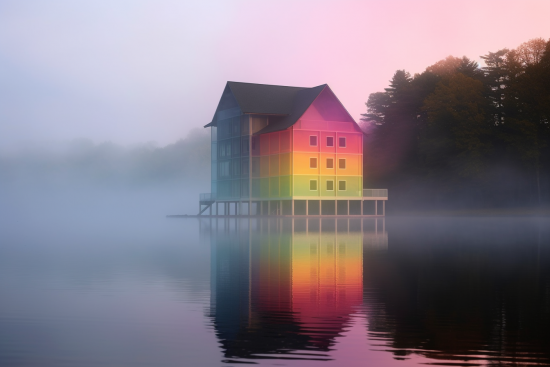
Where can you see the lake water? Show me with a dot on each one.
(155, 291)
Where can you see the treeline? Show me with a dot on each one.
(81, 163)
(463, 136)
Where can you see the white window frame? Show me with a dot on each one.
(316, 185)
(345, 185)
(316, 163)
(340, 160)
(345, 142)
(316, 140)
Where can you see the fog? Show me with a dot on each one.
(80, 179)
(85, 212)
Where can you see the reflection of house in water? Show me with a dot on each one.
(282, 285)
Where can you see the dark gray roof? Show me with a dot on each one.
(303, 99)
(263, 98)
(290, 103)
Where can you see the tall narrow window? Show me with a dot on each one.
(244, 146)
(342, 142)
(342, 163)
(342, 185)
(330, 163)
(330, 185)
(313, 163)
(313, 185)
(330, 141)
(313, 140)
(256, 167)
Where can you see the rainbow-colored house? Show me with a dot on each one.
(280, 150)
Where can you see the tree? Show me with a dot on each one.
(530, 52)
(391, 144)
(457, 130)
(528, 106)
(495, 79)
(445, 67)
(377, 108)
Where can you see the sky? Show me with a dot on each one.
(135, 71)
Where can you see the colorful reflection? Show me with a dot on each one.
(286, 285)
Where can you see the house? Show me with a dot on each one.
(279, 150)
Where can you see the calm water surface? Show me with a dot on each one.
(186, 292)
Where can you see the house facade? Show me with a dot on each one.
(280, 150)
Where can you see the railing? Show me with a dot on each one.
(375, 193)
(207, 197)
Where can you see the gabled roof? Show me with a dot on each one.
(290, 103)
(263, 98)
(303, 99)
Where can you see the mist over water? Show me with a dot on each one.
(92, 273)
(142, 289)
(84, 178)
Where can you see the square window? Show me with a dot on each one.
(330, 185)
(313, 163)
(330, 141)
(342, 142)
(313, 185)
(342, 163)
(342, 185)
(313, 140)
(330, 163)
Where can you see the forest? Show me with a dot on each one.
(464, 136)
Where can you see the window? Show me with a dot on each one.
(313, 185)
(330, 141)
(342, 163)
(244, 148)
(236, 168)
(330, 163)
(330, 185)
(244, 167)
(235, 124)
(342, 142)
(313, 140)
(313, 163)
(256, 167)
(342, 185)
(224, 169)
(236, 147)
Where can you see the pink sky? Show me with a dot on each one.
(144, 70)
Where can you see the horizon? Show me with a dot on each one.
(135, 72)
